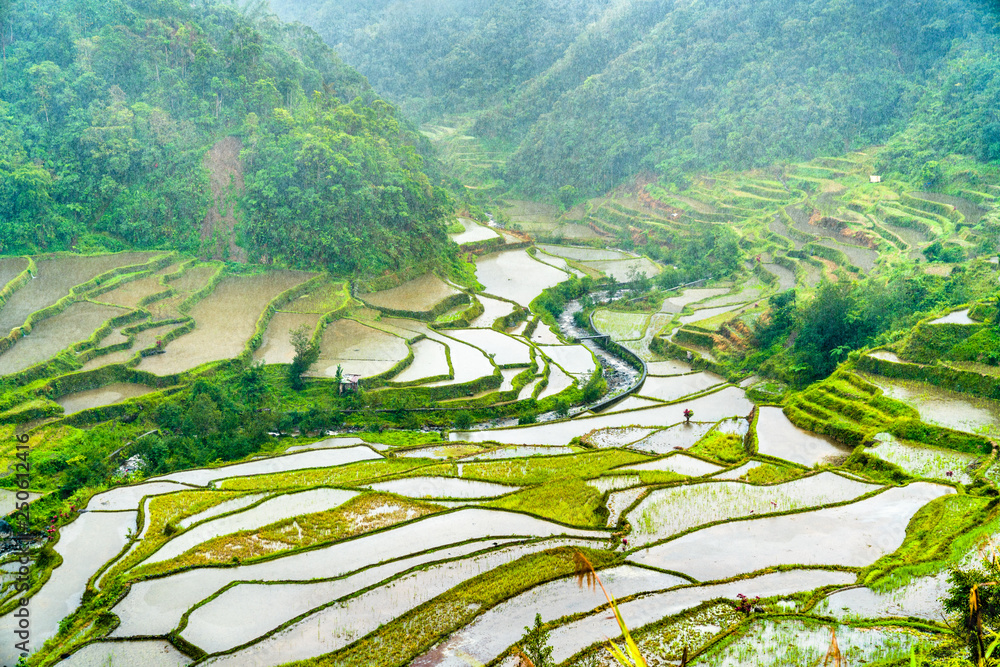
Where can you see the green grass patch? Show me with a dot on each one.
(571, 501)
(540, 469)
(402, 438)
(721, 447)
(349, 475)
(872, 467)
(770, 473)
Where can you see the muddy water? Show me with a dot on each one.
(573, 637)
(10, 268)
(955, 317)
(144, 339)
(150, 652)
(131, 293)
(51, 336)
(942, 407)
(583, 254)
(194, 278)
(85, 545)
(53, 280)
(674, 388)
(490, 634)
(276, 345)
(493, 310)
(852, 535)
(429, 360)
(504, 349)
(516, 276)
(473, 232)
(357, 348)
(419, 295)
(106, 395)
(224, 321)
(670, 367)
(970, 210)
(776, 436)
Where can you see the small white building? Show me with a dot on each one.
(874, 178)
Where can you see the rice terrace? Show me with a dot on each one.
(567, 333)
(505, 420)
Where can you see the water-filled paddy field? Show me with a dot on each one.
(438, 546)
(224, 321)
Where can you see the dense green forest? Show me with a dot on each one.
(107, 109)
(590, 93)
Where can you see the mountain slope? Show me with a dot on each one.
(107, 110)
(672, 86)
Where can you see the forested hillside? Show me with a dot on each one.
(591, 92)
(108, 107)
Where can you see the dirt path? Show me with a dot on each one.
(226, 180)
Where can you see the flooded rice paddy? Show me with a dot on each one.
(943, 407)
(418, 295)
(673, 388)
(430, 359)
(500, 627)
(84, 545)
(319, 458)
(442, 487)
(276, 345)
(855, 535)
(955, 317)
(578, 635)
(55, 277)
(224, 321)
(472, 232)
(270, 511)
(106, 395)
(52, 335)
(357, 348)
(666, 512)
(304, 603)
(515, 275)
(776, 436)
(773, 643)
(150, 653)
(678, 463)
